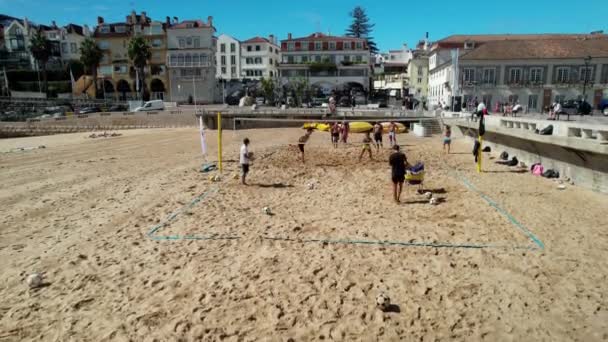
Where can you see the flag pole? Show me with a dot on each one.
(219, 141)
(479, 154)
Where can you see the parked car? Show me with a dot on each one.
(603, 107)
(575, 107)
(151, 106)
(118, 108)
(89, 110)
(259, 101)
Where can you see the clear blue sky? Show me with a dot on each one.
(397, 21)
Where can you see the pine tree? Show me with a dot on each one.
(361, 28)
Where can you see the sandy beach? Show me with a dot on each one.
(514, 258)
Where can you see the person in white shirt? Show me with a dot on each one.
(245, 158)
(480, 107)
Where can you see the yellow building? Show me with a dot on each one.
(116, 70)
(418, 70)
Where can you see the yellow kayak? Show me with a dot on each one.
(360, 127)
(318, 126)
(400, 127)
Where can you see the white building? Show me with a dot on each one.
(260, 58)
(447, 57)
(71, 37)
(228, 58)
(190, 55)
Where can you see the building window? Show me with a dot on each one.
(317, 58)
(196, 59)
(156, 30)
(290, 59)
(197, 42)
(120, 29)
(419, 79)
(232, 47)
(318, 46)
(359, 45)
(223, 70)
(233, 59)
(104, 45)
(271, 74)
(304, 46)
(536, 76)
(347, 58)
(180, 59)
(291, 46)
(489, 76)
(515, 75)
(332, 46)
(533, 102)
(257, 48)
(420, 72)
(358, 58)
(182, 43)
(563, 75)
(102, 29)
(258, 60)
(64, 47)
(586, 74)
(249, 48)
(204, 59)
(157, 43)
(469, 75)
(188, 59)
(304, 59)
(270, 61)
(233, 71)
(248, 60)
(189, 41)
(173, 60)
(222, 47)
(223, 60)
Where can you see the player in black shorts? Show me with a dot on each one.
(398, 163)
(378, 136)
(302, 142)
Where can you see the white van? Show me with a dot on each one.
(151, 105)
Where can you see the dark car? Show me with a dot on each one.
(603, 107)
(576, 107)
(234, 98)
(118, 108)
(89, 110)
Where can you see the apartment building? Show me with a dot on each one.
(16, 35)
(228, 58)
(260, 58)
(418, 68)
(326, 62)
(498, 54)
(116, 70)
(190, 58)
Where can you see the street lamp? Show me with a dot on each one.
(587, 62)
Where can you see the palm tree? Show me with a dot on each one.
(40, 47)
(139, 54)
(90, 56)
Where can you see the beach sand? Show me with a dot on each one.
(80, 211)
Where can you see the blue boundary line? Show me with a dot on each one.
(173, 217)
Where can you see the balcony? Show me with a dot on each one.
(193, 64)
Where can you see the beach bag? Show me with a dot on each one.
(551, 174)
(537, 169)
(504, 156)
(547, 130)
(513, 162)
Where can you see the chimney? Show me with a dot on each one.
(86, 31)
(210, 21)
(133, 19)
(271, 38)
(289, 36)
(100, 21)
(26, 24)
(54, 24)
(144, 17)
(426, 36)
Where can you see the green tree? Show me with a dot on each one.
(139, 54)
(268, 89)
(40, 47)
(90, 56)
(300, 87)
(361, 27)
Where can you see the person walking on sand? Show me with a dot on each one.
(244, 159)
(378, 136)
(303, 141)
(367, 146)
(335, 134)
(398, 163)
(345, 129)
(447, 138)
(392, 133)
